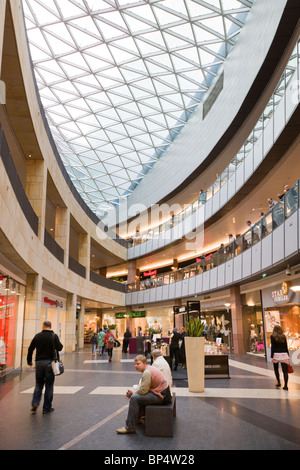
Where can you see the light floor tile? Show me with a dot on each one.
(60, 389)
(260, 370)
(214, 393)
(96, 361)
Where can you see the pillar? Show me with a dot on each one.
(36, 190)
(131, 276)
(236, 317)
(178, 320)
(70, 336)
(80, 331)
(62, 230)
(103, 271)
(32, 315)
(84, 255)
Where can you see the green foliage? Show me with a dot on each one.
(112, 327)
(195, 327)
(154, 330)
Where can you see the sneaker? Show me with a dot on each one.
(125, 431)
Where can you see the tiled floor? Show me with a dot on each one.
(244, 412)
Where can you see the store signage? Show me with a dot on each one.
(130, 314)
(150, 273)
(216, 366)
(282, 295)
(53, 303)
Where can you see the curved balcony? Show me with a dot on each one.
(269, 126)
(274, 239)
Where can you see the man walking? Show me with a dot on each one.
(44, 342)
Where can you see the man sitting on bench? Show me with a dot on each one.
(152, 389)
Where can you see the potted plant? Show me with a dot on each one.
(194, 350)
(113, 329)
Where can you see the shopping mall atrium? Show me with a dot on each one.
(149, 175)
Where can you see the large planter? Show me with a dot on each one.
(194, 350)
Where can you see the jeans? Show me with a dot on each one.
(43, 376)
(136, 405)
(94, 347)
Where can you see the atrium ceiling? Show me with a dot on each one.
(118, 80)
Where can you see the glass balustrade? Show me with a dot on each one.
(283, 209)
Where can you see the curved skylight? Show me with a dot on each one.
(119, 79)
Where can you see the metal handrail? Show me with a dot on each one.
(275, 217)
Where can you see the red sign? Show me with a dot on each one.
(8, 314)
(56, 303)
(150, 273)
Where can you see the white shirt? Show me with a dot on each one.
(161, 364)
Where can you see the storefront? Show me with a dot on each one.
(11, 323)
(281, 305)
(54, 310)
(91, 324)
(216, 316)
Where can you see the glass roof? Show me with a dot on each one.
(119, 79)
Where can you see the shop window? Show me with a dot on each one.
(8, 316)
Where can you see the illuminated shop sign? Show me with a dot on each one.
(150, 273)
(53, 303)
(282, 295)
(130, 314)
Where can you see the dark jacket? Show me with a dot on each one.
(175, 340)
(277, 347)
(43, 343)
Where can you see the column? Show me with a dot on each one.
(131, 276)
(70, 337)
(62, 230)
(32, 314)
(103, 271)
(84, 255)
(178, 318)
(236, 317)
(80, 332)
(36, 190)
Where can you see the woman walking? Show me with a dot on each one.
(280, 353)
(109, 340)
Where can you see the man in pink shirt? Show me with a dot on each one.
(152, 389)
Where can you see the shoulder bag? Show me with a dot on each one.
(56, 364)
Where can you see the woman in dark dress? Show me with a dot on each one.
(280, 353)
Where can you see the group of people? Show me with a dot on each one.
(104, 340)
(155, 384)
(251, 237)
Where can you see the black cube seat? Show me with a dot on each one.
(159, 419)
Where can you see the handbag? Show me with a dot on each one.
(57, 364)
(290, 369)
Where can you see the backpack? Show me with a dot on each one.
(111, 339)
